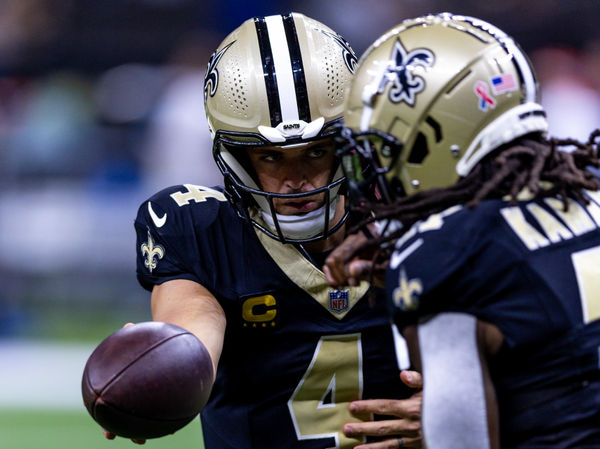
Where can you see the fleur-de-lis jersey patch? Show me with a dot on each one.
(152, 253)
(406, 295)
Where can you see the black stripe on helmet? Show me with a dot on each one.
(297, 68)
(266, 55)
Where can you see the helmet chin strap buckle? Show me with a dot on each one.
(292, 128)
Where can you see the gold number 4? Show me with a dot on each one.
(587, 271)
(319, 405)
(197, 194)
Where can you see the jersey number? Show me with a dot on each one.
(587, 271)
(319, 405)
(197, 194)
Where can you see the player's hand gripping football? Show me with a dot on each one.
(111, 436)
(340, 270)
(402, 431)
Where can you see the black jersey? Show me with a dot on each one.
(296, 351)
(533, 270)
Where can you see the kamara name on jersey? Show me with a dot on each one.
(556, 223)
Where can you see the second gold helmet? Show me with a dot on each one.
(432, 97)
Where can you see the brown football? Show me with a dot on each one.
(147, 380)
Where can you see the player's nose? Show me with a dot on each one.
(294, 176)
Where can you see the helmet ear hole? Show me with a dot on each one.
(419, 150)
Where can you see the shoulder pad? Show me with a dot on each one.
(187, 203)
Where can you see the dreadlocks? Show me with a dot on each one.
(530, 162)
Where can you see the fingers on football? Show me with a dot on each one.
(108, 435)
(111, 436)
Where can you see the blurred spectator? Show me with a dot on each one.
(51, 129)
(178, 146)
(27, 29)
(568, 92)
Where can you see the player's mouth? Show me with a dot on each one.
(301, 207)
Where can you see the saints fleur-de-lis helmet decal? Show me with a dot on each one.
(405, 83)
(349, 56)
(431, 98)
(211, 78)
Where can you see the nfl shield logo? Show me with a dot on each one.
(339, 300)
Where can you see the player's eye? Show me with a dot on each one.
(270, 157)
(315, 153)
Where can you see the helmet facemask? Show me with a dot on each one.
(365, 174)
(258, 206)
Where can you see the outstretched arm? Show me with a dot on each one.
(191, 306)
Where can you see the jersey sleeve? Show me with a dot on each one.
(175, 231)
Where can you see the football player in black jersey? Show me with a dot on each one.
(492, 232)
(298, 364)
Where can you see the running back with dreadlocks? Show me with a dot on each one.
(492, 232)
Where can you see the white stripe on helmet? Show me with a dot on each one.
(283, 68)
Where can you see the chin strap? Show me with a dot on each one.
(298, 226)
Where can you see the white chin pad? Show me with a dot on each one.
(300, 226)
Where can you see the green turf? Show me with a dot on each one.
(75, 430)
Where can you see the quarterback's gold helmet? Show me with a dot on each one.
(430, 99)
(277, 81)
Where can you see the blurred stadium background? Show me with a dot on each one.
(101, 104)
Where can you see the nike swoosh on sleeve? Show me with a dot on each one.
(158, 221)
